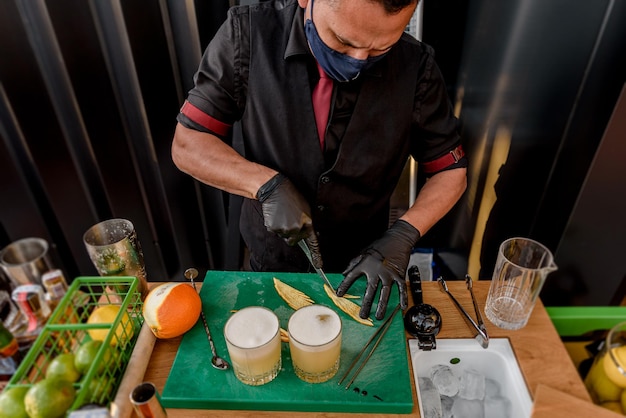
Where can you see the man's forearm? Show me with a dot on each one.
(438, 195)
(211, 161)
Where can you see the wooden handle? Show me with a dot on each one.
(135, 371)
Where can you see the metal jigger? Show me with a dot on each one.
(147, 402)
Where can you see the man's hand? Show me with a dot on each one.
(384, 261)
(287, 214)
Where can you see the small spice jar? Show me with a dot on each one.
(56, 286)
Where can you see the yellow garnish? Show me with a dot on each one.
(294, 298)
(349, 307)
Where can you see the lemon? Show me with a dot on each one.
(611, 369)
(600, 386)
(86, 355)
(106, 314)
(12, 403)
(62, 366)
(49, 398)
(613, 406)
(623, 400)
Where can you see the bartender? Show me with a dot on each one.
(332, 96)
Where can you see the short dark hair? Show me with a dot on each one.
(390, 6)
(394, 6)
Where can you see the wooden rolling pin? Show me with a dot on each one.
(135, 371)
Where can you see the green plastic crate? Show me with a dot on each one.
(67, 329)
(575, 321)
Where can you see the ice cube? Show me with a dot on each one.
(472, 385)
(492, 387)
(497, 407)
(445, 381)
(446, 406)
(431, 403)
(468, 408)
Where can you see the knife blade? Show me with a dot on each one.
(302, 243)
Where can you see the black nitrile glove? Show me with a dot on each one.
(384, 261)
(287, 214)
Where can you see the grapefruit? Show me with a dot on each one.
(171, 309)
(106, 314)
(49, 398)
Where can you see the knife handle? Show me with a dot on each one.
(415, 283)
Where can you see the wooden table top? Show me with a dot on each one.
(543, 359)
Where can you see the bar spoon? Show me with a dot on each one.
(217, 362)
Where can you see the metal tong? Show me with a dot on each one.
(481, 335)
(378, 336)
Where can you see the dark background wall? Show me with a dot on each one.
(89, 91)
(536, 86)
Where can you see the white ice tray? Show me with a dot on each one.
(497, 362)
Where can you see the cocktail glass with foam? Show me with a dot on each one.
(253, 341)
(315, 343)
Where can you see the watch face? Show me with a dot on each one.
(422, 320)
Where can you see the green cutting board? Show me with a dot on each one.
(383, 385)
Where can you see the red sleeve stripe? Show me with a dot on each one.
(201, 118)
(444, 161)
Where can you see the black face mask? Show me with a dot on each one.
(338, 66)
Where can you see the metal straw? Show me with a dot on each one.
(380, 333)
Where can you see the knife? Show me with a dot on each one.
(302, 243)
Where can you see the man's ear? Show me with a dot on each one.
(303, 3)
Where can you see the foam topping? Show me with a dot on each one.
(251, 327)
(314, 325)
